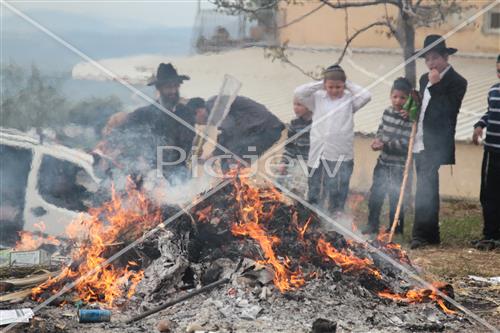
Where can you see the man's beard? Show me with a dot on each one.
(169, 101)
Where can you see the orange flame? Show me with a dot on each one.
(252, 212)
(203, 214)
(302, 230)
(394, 249)
(347, 261)
(419, 296)
(30, 241)
(116, 221)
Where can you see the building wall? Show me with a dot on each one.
(326, 27)
(462, 180)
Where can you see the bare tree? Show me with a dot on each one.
(410, 16)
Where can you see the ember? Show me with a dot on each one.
(393, 249)
(421, 296)
(346, 260)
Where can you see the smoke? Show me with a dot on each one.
(178, 191)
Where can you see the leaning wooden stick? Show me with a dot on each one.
(178, 300)
(413, 107)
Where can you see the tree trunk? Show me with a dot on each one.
(408, 51)
(406, 38)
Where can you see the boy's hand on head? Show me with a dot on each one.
(434, 76)
(478, 133)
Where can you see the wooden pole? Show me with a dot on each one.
(409, 160)
(178, 300)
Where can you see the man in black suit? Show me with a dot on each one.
(442, 90)
(138, 139)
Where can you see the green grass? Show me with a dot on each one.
(461, 221)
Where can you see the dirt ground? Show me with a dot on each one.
(455, 259)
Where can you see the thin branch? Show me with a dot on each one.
(389, 23)
(357, 33)
(279, 52)
(302, 17)
(239, 6)
(407, 8)
(359, 3)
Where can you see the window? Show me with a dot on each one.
(492, 21)
(60, 183)
(15, 167)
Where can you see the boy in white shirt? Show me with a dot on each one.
(333, 102)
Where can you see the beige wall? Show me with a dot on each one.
(326, 27)
(463, 180)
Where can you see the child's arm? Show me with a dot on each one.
(377, 143)
(289, 151)
(305, 93)
(360, 95)
(378, 134)
(481, 124)
(400, 145)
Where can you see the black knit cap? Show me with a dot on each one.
(196, 103)
(402, 84)
(333, 68)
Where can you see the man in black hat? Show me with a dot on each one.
(151, 138)
(442, 90)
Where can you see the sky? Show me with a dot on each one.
(119, 13)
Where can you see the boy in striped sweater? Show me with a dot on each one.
(490, 171)
(392, 140)
(294, 164)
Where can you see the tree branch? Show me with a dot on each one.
(357, 33)
(407, 8)
(302, 17)
(279, 52)
(389, 23)
(359, 3)
(239, 6)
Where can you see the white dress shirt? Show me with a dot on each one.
(332, 131)
(419, 137)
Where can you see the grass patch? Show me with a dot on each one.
(461, 222)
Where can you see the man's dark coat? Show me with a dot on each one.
(440, 118)
(147, 129)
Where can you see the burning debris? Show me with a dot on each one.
(118, 222)
(249, 237)
(31, 241)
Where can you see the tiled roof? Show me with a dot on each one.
(272, 83)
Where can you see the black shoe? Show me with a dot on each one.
(417, 243)
(487, 244)
(484, 239)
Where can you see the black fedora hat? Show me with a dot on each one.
(166, 73)
(439, 45)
